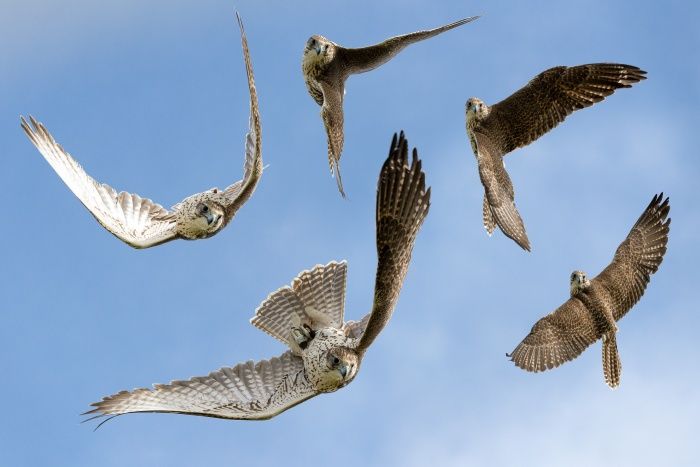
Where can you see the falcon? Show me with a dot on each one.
(326, 65)
(597, 304)
(141, 223)
(520, 119)
(325, 352)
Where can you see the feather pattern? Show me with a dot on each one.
(402, 204)
(526, 115)
(592, 312)
(247, 391)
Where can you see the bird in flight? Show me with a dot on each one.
(596, 305)
(140, 222)
(327, 65)
(325, 352)
(521, 118)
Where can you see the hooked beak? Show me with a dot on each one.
(211, 218)
(343, 370)
(317, 48)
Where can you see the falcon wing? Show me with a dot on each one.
(332, 114)
(550, 97)
(638, 257)
(402, 204)
(139, 222)
(499, 193)
(237, 194)
(248, 391)
(363, 59)
(316, 297)
(557, 338)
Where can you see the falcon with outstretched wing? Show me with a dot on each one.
(325, 351)
(596, 305)
(141, 223)
(520, 119)
(327, 65)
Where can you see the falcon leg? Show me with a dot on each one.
(612, 367)
(302, 335)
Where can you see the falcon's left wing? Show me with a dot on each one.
(551, 96)
(238, 193)
(363, 59)
(638, 257)
(402, 204)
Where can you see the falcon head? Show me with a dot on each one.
(318, 49)
(476, 108)
(578, 282)
(336, 369)
(200, 217)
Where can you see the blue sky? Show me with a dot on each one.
(151, 98)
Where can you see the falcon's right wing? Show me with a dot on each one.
(248, 391)
(139, 222)
(557, 338)
(332, 115)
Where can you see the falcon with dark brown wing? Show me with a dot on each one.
(596, 305)
(520, 119)
(326, 65)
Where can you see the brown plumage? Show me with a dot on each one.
(596, 305)
(326, 65)
(525, 116)
(325, 351)
(402, 204)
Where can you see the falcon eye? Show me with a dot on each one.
(335, 361)
(205, 208)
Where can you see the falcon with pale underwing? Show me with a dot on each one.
(327, 65)
(142, 223)
(596, 305)
(325, 352)
(520, 119)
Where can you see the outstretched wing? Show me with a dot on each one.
(550, 97)
(332, 114)
(237, 194)
(248, 391)
(402, 204)
(557, 338)
(316, 297)
(363, 59)
(499, 193)
(139, 222)
(637, 257)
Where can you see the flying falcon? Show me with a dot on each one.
(326, 65)
(596, 305)
(140, 222)
(520, 119)
(325, 352)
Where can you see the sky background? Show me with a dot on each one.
(151, 97)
